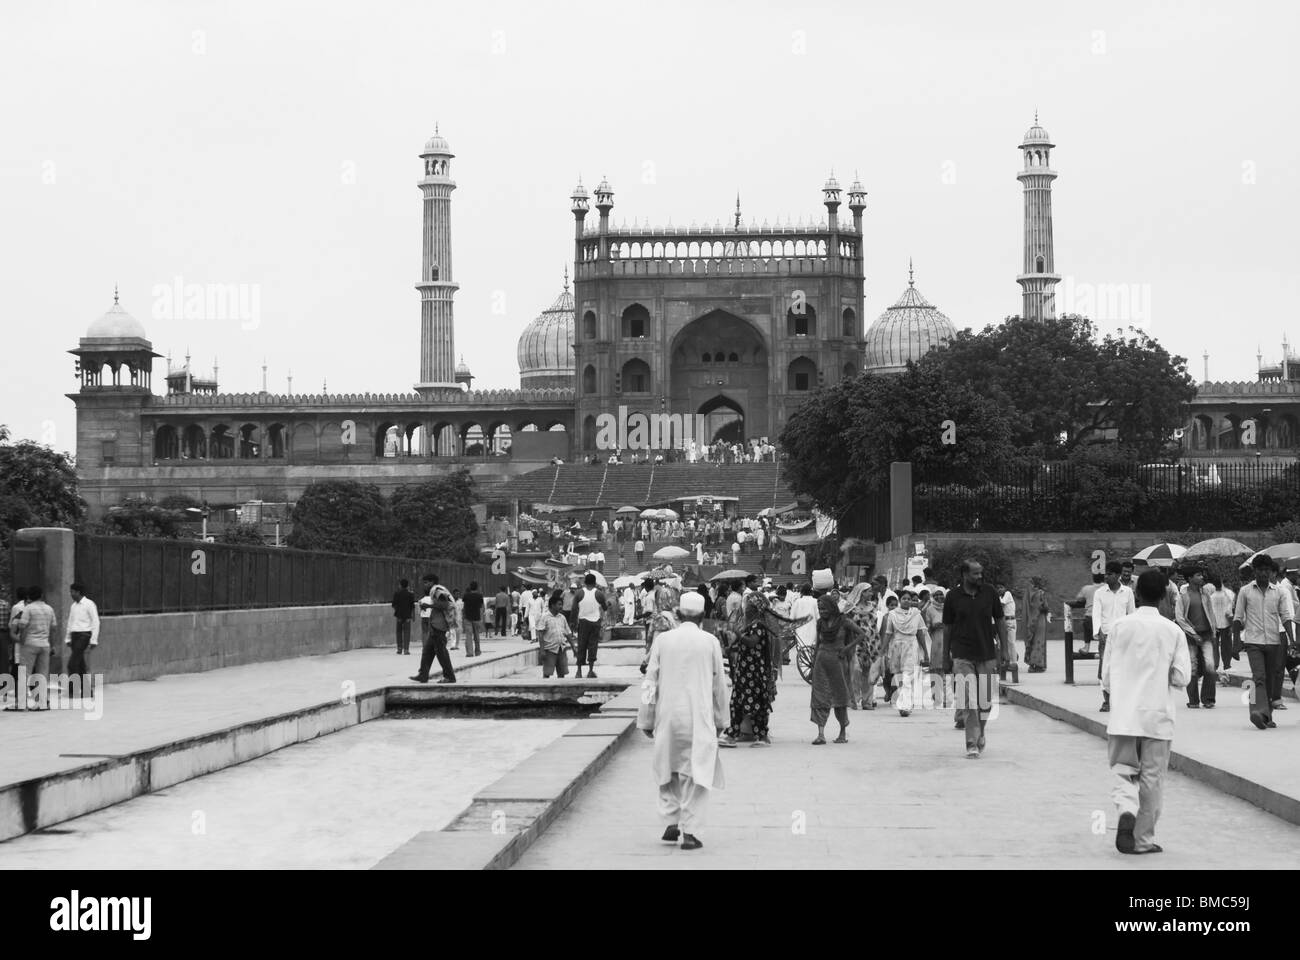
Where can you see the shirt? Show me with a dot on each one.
(473, 606)
(83, 617)
(1192, 613)
(1261, 613)
(972, 623)
(1108, 606)
(1086, 593)
(1222, 603)
(1146, 659)
(553, 631)
(37, 624)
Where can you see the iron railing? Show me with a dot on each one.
(125, 575)
(1075, 497)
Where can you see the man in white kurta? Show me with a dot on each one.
(684, 705)
(1144, 662)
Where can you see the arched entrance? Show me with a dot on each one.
(719, 369)
(723, 420)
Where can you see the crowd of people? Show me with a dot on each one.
(754, 450)
(29, 636)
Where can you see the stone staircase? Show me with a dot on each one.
(758, 485)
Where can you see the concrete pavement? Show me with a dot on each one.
(902, 794)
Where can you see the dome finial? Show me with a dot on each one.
(1035, 114)
(910, 281)
(114, 291)
(566, 278)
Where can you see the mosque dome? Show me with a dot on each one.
(436, 144)
(546, 346)
(1036, 134)
(906, 331)
(462, 368)
(116, 324)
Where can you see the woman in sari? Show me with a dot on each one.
(837, 637)
(1036, 614)
(865, 666)
(904, 637)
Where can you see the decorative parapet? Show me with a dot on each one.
(457, 398)
(1208, 392)
(752, 229)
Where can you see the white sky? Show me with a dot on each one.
(276, 145)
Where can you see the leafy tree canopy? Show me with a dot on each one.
(435, 519)
(340, 516)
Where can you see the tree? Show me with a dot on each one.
(435, 519)
(340, 516)
(38, 488)
(1056, 378)
(839, 444)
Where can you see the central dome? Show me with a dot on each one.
(908, 330)
(546, 346)
(116, 324)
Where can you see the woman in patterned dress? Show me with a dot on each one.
(837, 636)
(663, 618)
(754, 638)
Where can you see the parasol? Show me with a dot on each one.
(1217, 547)
(1281, 552)
(1160, 554)
(729, 575)
(671, 553)
(627, 510)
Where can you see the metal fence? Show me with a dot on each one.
(1074, 497)
(124, 575)
(869, 518)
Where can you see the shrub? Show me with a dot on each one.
(249, 534)
(998, 562)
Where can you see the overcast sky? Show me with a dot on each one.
(276, 145)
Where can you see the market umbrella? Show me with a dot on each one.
(729, 575)
(1160, 554)
(656, 574)
(1281, 552)
(667, 514)
(1217, 547)
(649, 513)
(626, 580)
(672, 553)
(627, 510)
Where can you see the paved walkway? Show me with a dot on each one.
(144, 714)
(902, 794)
(1223, 737)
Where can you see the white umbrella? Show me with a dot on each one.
(649, 513)
(626, 580)
(666, 514)
(600, 578)
(671, 553)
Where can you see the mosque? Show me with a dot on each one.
(729, 326)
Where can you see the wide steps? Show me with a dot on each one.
(757, 485)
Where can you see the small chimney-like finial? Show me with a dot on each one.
(1206, 357)
(566, 283)
(115, 293)
(737, 209)
(910, 281)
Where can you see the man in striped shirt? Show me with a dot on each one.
(1263, 613)
(36, 626)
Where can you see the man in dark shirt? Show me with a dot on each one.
(403, 611)
(503, 611)
(473, 620)
(976, 631)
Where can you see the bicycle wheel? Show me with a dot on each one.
(805, 662)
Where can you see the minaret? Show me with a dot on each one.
(437, 333)
(1038, 280)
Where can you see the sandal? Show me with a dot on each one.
(820, 741)
(841, 739)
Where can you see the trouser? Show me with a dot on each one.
(629, 611)
(1139, 763)
(403, 635)
(1101, 656)
(975, 692)
(556, 662)
(588, 641)
(1009, 654)
(435, 645)
(640, 556)
(1087, 631)
(1266, 664)
(683, 802)
(472, 637)
(1225, 648)
(1202, 654)
(821, 714)
(34, 662)
(502, 621)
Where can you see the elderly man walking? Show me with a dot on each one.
(684, 707)
(1146, 658)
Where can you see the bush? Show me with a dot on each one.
(1286, 532)
(998, 562)
(248, 534)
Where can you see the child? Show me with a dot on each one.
(555, 636)
(904, 631)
